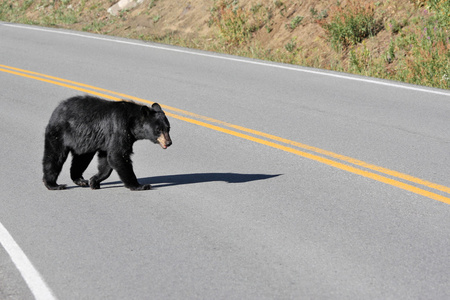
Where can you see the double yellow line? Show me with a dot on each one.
(397, 179)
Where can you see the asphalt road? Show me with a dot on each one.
(234, 213)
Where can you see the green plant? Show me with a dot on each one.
(350, 24)
(58, 14)
(361, 61)
(318, 15)
(294, 22)
(95, 26)
(66, 16)
(260, 16)
(278, 3)
(290, 46)
(396, 26)
(26, 5)
(256, 8)
(354, 62)
(233, 22)
(156, 18)
(390, 54)
(151, 4)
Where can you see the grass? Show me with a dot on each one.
(15, 11)
(418, 54)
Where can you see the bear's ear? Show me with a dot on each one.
(145, 110)
(156, 107)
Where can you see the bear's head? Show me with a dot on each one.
(153, 126)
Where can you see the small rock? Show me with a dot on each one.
(123, 4)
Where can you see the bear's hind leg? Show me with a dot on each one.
(79, 165)
(104, 170)
(55, 154)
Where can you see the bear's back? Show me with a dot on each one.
(87, 122)
(89, 109)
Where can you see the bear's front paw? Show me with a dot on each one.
(94, 184)
(81, 182)
(141, 187)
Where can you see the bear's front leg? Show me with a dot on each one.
(123, 166)
(81, 182)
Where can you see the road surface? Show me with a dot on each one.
(282, 182)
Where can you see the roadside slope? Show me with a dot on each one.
(407, 40)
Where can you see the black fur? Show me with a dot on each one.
(86, 125)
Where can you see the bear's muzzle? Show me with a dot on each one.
(164, 140)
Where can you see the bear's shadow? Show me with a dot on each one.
(182, 179)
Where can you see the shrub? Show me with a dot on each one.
(236, 25)
(426, 47)
(232, 22)
(350, 24)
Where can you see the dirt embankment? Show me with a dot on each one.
(303, 32)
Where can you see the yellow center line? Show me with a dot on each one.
(101, 93)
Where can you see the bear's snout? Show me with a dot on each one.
(164, 140)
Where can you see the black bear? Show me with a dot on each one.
(86, 125)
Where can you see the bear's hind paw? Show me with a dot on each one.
(56, 187)
(94, 184)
